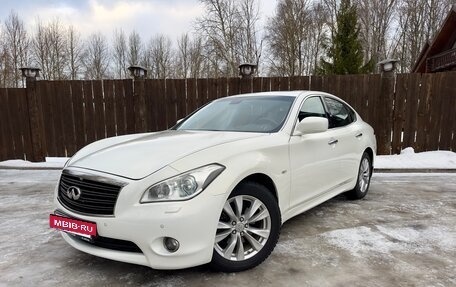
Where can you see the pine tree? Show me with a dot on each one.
(346, 52)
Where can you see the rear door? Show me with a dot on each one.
(345, 131)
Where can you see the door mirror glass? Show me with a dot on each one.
(311, 125)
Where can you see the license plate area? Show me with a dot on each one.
(73, 226)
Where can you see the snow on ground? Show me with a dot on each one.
(51, 162)
(423, 160)
(408, 159)
(12, 176)
(362, 240)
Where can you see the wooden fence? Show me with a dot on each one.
(56, 118)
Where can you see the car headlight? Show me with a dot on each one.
(183, 186)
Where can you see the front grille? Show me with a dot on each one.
(110, 243)
(97, 198)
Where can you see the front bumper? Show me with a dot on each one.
(193, 223)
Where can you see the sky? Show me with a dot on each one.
(147, 17)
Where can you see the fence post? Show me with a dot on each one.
(139, 75)
(35, 115)
(385, 103)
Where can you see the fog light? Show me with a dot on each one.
(171, 244)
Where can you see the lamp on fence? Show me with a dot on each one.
(246, 70)
(30, 72)
(137, 72)
(388, 65)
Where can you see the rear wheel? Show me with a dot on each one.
(363, 180)
(248, 228)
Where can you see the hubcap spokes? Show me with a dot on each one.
(243, 228)
(364, 175)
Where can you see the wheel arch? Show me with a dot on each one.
(370, 152)
(264, 180)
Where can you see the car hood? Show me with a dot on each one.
(137, 157)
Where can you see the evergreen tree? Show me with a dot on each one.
(345, 53)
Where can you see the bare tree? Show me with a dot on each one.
(135, 49)
(196, 58)
(75, 53)
(159, 57)
(411, 21)
(96, 60)
(147, 59)
(40, 49)
(331, 7)
(227, 34)
(59, 41)
(16, 49)
(4, 64)
(375, 17)
(220, 27)
(183, 56)
(250, 45)
(50, 49)
(417, 22)
(120, 54)
(189, 57)
(437, 12)
(287, 33)
(317, 36)
(57, 53)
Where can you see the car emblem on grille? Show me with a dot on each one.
(73, 192)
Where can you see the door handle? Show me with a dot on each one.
(333, 141)
(358, 135)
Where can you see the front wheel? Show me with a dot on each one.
(248, 228)
(363, 179)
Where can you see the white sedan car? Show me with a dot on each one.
(216, 187)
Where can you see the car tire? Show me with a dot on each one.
(363, 178)
(246, 237)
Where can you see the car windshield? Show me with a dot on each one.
(262, 114)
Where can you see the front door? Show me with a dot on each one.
(312, 158)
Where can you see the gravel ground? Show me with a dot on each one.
(402, 234)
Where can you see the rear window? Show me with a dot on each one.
(340, 114)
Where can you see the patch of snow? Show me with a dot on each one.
(29, 176)
(57, 159)
(170, 281)
(364, 241)
(411, 174)
(289, 247)
(423, 160)
(51, 162)
(408, 150)
(407, 159)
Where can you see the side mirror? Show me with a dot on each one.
(311, 125)
(179, 120)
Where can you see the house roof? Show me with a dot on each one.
(443, 40)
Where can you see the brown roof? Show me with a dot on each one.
(444, 40)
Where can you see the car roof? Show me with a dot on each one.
(295, 94)
(280, 93)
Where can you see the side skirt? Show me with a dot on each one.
(318, 199)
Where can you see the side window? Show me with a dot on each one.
(312, 107)
(339, 114)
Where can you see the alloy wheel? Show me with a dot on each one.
(364, 175)
(243, 228)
